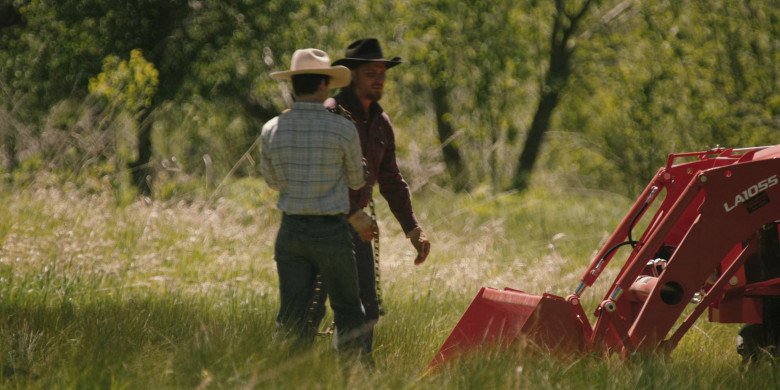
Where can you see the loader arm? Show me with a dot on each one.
(724, 220)
(674, 179)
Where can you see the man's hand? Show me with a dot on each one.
(363, 225)
(421, 243)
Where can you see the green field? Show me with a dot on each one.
(100, 293)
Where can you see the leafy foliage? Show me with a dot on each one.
(132, 83)
(647, 79)
(661, 78)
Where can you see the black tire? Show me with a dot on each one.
(757, 342)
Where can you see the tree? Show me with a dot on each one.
(478, 66)
(206, 48)
(564, 27)
(614, 88)
(435, 51)
(655, 78)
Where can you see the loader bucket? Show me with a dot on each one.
(499, 317)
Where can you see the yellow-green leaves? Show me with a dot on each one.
(131, 84)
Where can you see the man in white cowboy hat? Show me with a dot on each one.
(367, 66)
(312, 157)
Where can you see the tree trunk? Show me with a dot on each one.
(142, 172)
(533, 141)
(558, 71)
(9, 149)
(451, 152)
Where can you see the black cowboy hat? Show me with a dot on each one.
(363, 51)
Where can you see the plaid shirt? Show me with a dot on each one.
(311, 156)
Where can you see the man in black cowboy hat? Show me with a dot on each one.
(360, 99)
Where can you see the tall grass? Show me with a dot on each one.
(97, 293)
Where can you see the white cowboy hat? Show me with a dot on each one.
(315, 61)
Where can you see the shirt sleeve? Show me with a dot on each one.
(355, 167)
(393, 187)
(266, 167)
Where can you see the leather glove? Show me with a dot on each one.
(420, 243)
(363, 225)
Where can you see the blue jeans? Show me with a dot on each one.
(306, 246)
(364, 256)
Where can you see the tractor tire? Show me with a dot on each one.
(757, 342)
(762, 341)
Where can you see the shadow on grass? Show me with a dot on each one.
(151, 341)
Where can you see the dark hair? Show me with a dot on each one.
(306, 84)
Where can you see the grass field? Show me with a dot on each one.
(98, 293)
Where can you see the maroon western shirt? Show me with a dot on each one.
(378, 143)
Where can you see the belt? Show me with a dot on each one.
(319, 218)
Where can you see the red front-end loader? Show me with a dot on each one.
(712, 243)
